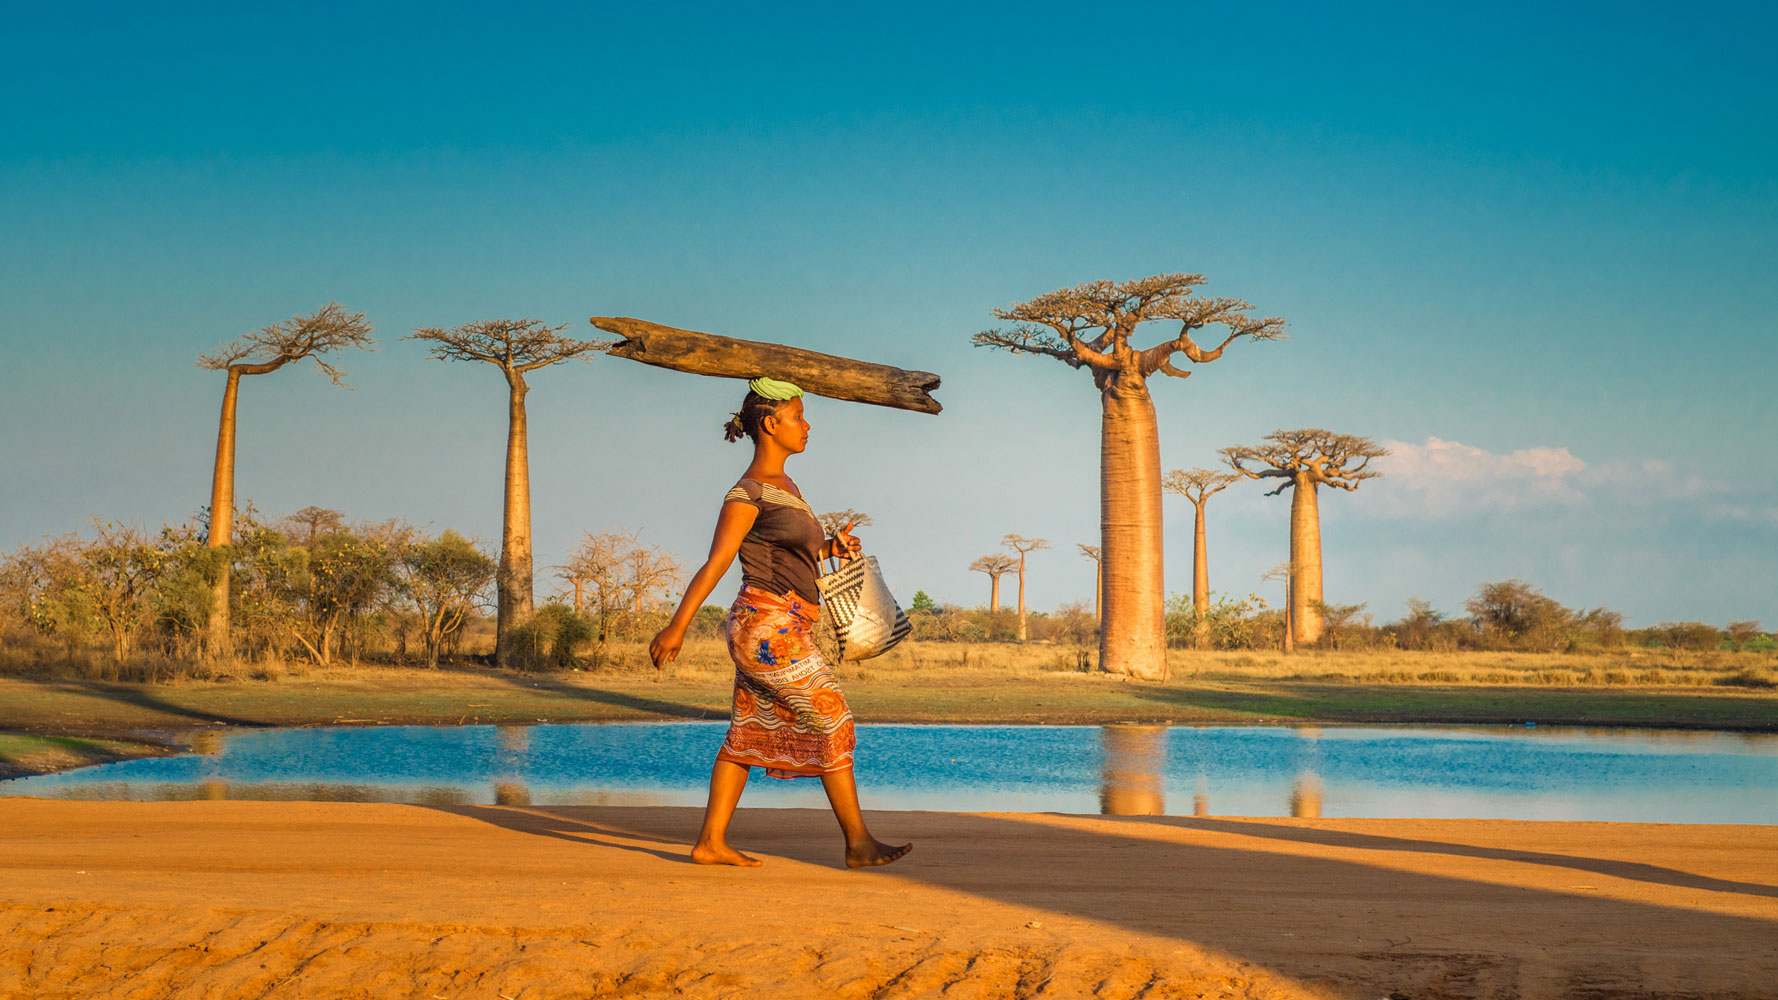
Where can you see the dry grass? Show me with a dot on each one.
(929, 661)
(144, 668)
(942, 662)
(1628, 667)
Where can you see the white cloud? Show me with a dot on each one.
(1757, 513)
(1650, 479)
(1443, 478)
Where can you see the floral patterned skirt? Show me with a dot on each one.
(789, 716)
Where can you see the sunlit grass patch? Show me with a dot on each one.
(23, 753)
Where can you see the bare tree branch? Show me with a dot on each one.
(1021, 544)
(1027, 340)
(1115, 309)
(515, 346)
(1321, 455)
(1198, 485)
(995, 565)
(834, 520)
(326, 330)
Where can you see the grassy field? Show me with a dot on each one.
(62, 721)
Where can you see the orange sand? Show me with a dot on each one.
(286, 900)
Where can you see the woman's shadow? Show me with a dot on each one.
(543, 823)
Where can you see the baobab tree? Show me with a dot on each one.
(314, 522)
(1093, 552)
(1023, 546)
(517, 347)
(325, 331)
(1303, 461)
(833, 520)
(1089, 326)
(1198, 486)
(996, 566)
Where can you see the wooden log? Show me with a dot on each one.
(726, 357)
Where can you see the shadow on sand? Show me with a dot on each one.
(1445, 934)
(561, 824)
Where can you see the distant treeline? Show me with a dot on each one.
(1507, 615)
(305, 588)
(309, 587)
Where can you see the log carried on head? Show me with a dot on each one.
(727, 357)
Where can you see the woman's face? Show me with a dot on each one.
(787, 427)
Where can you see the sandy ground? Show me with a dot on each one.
(286, 900)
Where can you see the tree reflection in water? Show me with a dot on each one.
(510, 788)
(1135, 760)
(1305, 797)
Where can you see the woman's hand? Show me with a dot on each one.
(664, 648)
(844, 546)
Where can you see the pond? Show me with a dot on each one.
(1496, 772)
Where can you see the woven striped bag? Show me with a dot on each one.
(864, 614)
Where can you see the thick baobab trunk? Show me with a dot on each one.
(1305, 561)
(1098, 589)
(513, 581)
(222, 518)
(994, 593)
(1021, 597)
(1200, 580)
(1132, 639)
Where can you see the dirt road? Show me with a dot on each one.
(287, 900)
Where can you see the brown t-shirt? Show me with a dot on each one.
(783, 551)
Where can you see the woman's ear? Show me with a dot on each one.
(768, 424)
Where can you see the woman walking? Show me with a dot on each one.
(789, 716)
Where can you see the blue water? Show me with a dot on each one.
(1473, 772)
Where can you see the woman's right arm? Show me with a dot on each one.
(732, 525)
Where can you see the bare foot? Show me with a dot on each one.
(722, 854)
(875, 853)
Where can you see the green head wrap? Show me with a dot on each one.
(772, 389)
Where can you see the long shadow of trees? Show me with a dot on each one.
(617, 699)
(145, 698)
(1306, 917)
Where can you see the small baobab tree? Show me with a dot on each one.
(834, 520)
(1089, 326)
(1304, 461)
(313, 522)
(1198, 486)
(325, 331)
(517, 347)
(1023, 546)
(1093, 552)
(996, 565)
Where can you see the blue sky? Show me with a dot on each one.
(1533, 247)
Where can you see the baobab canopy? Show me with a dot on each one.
(728, 357)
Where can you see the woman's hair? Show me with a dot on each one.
(749, 419)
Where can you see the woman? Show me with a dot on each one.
(789, 717)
